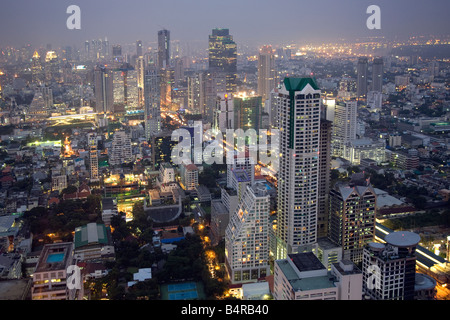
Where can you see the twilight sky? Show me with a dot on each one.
(253, 22)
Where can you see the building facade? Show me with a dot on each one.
(247, 237)
(298, 175)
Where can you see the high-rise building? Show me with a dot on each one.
(389, 268)
(167, 83)
(103, 88)
(361, 82)
(344, 125)
(152, 112)
(223, 56)
(267, 74)
(37, 72)
(377, 74)
(247, 237)
(352, 219)
(163, 49)
(324, 177)
(241, 161)
(117, 55)
(247, 112)
(193, 83)
(298, 174)
(140, 69)
(139, 49)
(125, 87)
(224, 112)
(212, 83)
(93, 156)
(120, 149)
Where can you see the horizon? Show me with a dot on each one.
(251, 23)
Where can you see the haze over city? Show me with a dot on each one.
(251, 22)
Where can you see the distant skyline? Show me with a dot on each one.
(251, 22)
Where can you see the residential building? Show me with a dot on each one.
(50, 275)
(247, 237)
(352, 219)
(298, 174)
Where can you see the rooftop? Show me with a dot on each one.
(402, 238)
(306, 261)
(304, 284)
(47, 260)
(92, 233)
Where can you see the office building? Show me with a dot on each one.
(362, 80)
(163, 60)
(193, 92)
(366, 148)
(344, 125)
(303, 277)
(389, 268)
(224, 112)
(298, 174)
(324, 177)
(247, 237)
(103, 89)
(247, 112)
(223, 56)
(352, 219)
(212, 83)
(139, 49)
(267, 74)
(377, 74)
(152, 111)
(140, 70)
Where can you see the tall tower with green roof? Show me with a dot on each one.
(298, 174)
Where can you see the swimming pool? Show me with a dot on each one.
(55, 257)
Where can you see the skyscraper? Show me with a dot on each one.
(140, 69)
(267, 75)
(361, 82)
(352, 219)
(103, 88)
(117, 54)
(163, 49)
(223, 56)
(298, 174)
(324, 176)
(139, 51)
(246, 237)
(344, 125)
(377, 74)
(247, 112)
(152, 113)
(211, 84)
